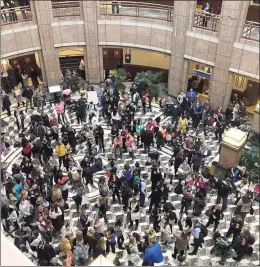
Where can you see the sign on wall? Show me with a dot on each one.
(202, 74)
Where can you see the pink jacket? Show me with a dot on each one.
(59, 107)
(54, 122)
(129, 142)
(118, 141)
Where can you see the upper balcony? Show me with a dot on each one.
(68, 9)
(251, 31)
(15, 15)
(137, 9)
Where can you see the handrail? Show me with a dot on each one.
(251, 30)
(60, 4)
(137, 9)
(16, 14)
(206, 21)
(62, 9)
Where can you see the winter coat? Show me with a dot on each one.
(118, 141)
(61, 150)
(180, 243)
(159, 139)
(100, 225)
(153, 254)
(223, 189)
(146, 137)
(59, 107)
(6, 102)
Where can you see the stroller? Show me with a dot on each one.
(222, 248)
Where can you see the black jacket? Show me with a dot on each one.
(223, 190)
(156, 196)
(6, 102)
(146, 137)
(28, 93)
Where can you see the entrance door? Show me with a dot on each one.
(112, 57)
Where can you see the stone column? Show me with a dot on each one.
(182, 17)
(49, 57)
(91, 14)
(221, 82)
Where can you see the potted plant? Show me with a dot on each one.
(154, 81)
(121, 76)
(251, 160)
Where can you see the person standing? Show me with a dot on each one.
(135, 213)
(143, 189)
(28, 94)
(25, 79)
(6, 103)
(61, 152)
(34, 77)
(18, 95)
(59, 107)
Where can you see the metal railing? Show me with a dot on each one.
(63, 9)
(251, 31)
(137, 9)
(206, 21)
(17, 14)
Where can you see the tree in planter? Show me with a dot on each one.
(153, 80)
(121, 76)
(251, 159)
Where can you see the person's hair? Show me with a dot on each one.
(238, 218)
(102, 180)
(244, 181)
(101, 243)
(119, 222)
(79, 237)
(188, 222)
(132, 240)
(218, 207)
(246, 233)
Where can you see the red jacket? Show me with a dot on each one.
(150, 126)
(27, 149)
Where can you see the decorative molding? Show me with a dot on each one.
(244, 73)
(14, 53)
(67, 23)
(70, 44)
(136, 24)
(202, 37)
(200, 60)
(249, 48)
(20, 29)
(158, 49)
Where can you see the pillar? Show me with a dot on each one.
(94, 56)
(221, 81)
(49, 56)
(256, 120)
(232, 147)
(178, 67)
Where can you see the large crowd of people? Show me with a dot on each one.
(35, 194)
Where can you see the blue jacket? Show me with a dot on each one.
(191, 96)
(128, 175)
(153, 254)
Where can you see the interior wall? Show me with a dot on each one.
(147, 58)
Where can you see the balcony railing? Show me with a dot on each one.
(137, 9)
(251, 31)
(63, 9)
(17, 14)
(206, 21)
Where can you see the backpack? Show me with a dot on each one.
(137, 180)
(203, 231)
(103, 189)
(137, 97)
(178, 189)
